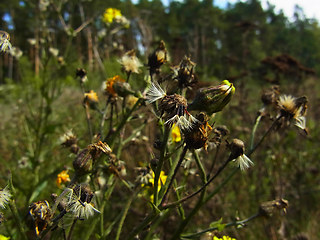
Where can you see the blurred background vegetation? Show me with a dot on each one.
(252, 47)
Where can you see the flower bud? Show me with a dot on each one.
(123, 89)
(213, 99)
(82, 164)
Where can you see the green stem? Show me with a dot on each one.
(171, 175)
(230, 224)
(160, 164)
(124, 214)
(200, 166)
(254, 129)
(153, 215)
(123, 122)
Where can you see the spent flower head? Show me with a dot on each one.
(81, 74)
(5, 44)
(158, 58)
(184, 72)
(213, 99)
(237, 154)
(5, 196)
(41, 214)
(80, 202)
(198, 135)
(173, 108)
(130, 62)
(293, 109)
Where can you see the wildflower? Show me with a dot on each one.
(41, 214)
(62, 177)
(213, 99)
(175, 134)
(157, 58)
(295, 109)
(237, 154)
(110, 14)
(109, 85)
(5, 44)
(174, 107)
(81, 74)
(223, 238)
(5, 196)
(2, 237)
(130, 62)
(197, 137)
(54, 51)
(267, 209)
(184, 72)
(91, 99)
(80, 204)
(162, 180)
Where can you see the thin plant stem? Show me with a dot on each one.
(183, 154)
(254, 129)
(124, 214)
(200, 166)
(153, 215)
(170, 205)
(230, 224)
(160, 164)
(122, 123)
(71, 229)
(214, 161)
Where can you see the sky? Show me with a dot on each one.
(311, 8)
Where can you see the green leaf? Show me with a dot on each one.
(218, 225)
(37, 191)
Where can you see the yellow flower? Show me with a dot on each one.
(109, 85)
(4, 237)
(162, 181)
(62, 177)
(110, 14)
(223, 238)
(175, 133)
(91, 97)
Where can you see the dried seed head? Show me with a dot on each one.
(157, 58)
(68, 139)
(87, 157)
(81, 74)
(237, 154)
(130, 62)
(41, 214)
(197, 136)
(236, 147)
(213, 99)
(5, 44)
(5, 196)
(293, 109)
(269, 208)
(184, 72)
